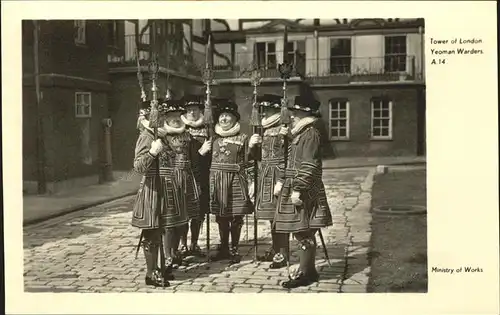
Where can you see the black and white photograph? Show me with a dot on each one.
(224, 155)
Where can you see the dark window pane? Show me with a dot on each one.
(384, 131)
(342, 133)
(340, 65)
(385, 114)
(340, 47)
(385, 123)
(376, 131)
(271, 61)
(377, 113)
(334, 123)
(271, 47)
(343, 123)
(335, 133)
(343, 114)
(335, 114)
(343, 105)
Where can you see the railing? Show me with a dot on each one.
(240, 67)
(337, 70)
(334, 70)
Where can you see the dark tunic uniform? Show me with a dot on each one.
(180, 196)
(269, 172)
(303, 174)
(175, 186)
(198, 135)
(229, 174)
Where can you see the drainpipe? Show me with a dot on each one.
(317, 51)
(422, 52)
(42, 184)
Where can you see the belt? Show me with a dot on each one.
(273, 161)
(225, 167)
(167, 171)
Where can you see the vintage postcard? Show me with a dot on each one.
(152, 149)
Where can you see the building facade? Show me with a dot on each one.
(62, 133)
(368, 75)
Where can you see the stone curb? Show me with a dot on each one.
(77, 208)
(361, 165)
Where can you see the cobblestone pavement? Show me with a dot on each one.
(94, 250)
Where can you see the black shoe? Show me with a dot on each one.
(196, 251)
(156, 280)
(184, 252)
(268, 256)
(278, 261)
(301, 280)
(167, 273)
(235, 256)
(222, 254)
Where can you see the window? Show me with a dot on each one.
(80, 33)
(266, 55)
(381, 119)
(340, 55)
(113, 33)
(83, 108)
(339, 120)
(395, 54)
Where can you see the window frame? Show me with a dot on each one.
(266, 54)
(389, 55)
(331, 39)
(372, 118)
(76, 105)
(80, 25)
(332, 101)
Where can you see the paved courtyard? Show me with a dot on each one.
(93, 250)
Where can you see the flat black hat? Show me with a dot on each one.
(269, 100)
(305, 104)
(193, 99)
(170, 106)
(225, 105)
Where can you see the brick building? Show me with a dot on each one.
(73, 92)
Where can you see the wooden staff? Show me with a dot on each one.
(208, 115)
(143, 98)
(154, 123)
(256, 123)
(285, 70)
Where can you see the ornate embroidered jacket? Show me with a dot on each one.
(229, 173)
(177, 185)
(304, 175)
(269, 172)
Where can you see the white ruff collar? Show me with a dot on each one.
(195, 124)
(271, 121)
(227, 133)
(304, 122)
(165, 129)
